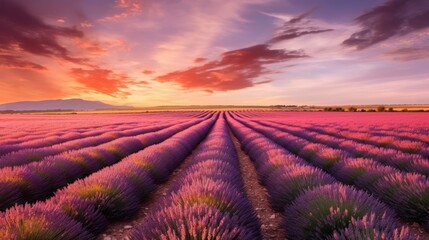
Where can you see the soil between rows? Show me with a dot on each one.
(271, 221)
(119, 230)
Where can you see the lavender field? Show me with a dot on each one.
(215, 175)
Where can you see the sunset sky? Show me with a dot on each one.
(174, 52)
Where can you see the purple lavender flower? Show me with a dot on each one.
(40, 222)
(288, 183)
(80, 210)
(408, 193)
(318, 213)
(369, 227)
(192, 222)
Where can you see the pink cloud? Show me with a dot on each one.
(408, 54)
(200, 60)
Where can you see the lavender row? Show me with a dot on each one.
(390, 142)
(25, 156)
(407, 193)
(82, 210)
(313, 204)
(402, 161)
(38, 180)
(208, 200)
(55, 139)
(405, 132)
(76, 131)
(17, 132)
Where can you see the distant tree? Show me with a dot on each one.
(339, 109)
(327, 109)
(352, 109)
(363, 110)
(381, 108)
(391, 109)
(405, 110)
(371, 110)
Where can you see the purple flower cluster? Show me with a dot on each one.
(111, 193)
(28, 155)
(319, 212)
(30, 132)
(407, 193)
(40, 222)
(38, 180)
(403, 161)
(207, 201)
(53, 138)
(369, 227)
(361, 172)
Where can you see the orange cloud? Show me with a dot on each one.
(148, 72)
(102, 80)
(235, 69)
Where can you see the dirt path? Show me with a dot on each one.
(270, 220)
(120, 229)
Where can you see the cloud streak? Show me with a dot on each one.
(394, 18)
(408, 54)
(11, 61)
(297, 27)
(104, 81)
(22, 32)
(234, 70)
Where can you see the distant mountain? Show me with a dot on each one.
(59, 104)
